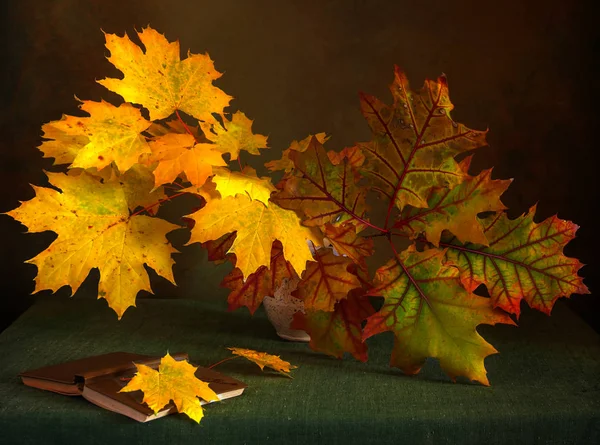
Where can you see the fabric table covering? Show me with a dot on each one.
(545, 383)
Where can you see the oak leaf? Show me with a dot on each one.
(95, 231)
(263, 359)
(524, 260)
(173, 381)
(245, 182)
(234, 135)
(179, 153)
(257, 226)
(432, 315)
(414, 142)
(455, 209)
(326, 281)
(160, 81)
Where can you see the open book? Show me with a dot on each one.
(100, 378)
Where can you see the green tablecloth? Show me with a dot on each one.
(545, 383)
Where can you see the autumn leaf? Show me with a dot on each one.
(95, 231)
(285, 163)
(455, 209)
(236, 135)
(138, 187)
(432, 315)
(179, 153)
(340, 330)
(217, 249)
(174, 381)
(326, 281)
(157, 129)
(251, 291)
(160, 81)
(523, 261)
(414, 142)
(64, 139)
(353, 155)
(245, 182)
(322, 191)
(257, 226)
(263, 359)
(346, 241)
(109, 134)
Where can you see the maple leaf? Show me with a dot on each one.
(160, 81)
(523, 261)
(109, 134)
(139, 190)
(353, 155)
(179, 153)
(263, 359)
(95, 230)
(245, 182)
(260, 284)
(346, 241)
(285, 163)
(157, 129)
(257, 226)
(326, 281)
(234, 136)
(323, 191)
(456, 209)
(217, 249)
(340, 330)
(174, 381)
(432, 315)
(414, 142)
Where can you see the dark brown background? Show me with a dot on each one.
(522, 68)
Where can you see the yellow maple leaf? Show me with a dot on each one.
(109, 134)
(245, 182)
(179, 153)
(174, 380)
(95, 231)
(257, 227)
(263, 359)
(160, 81)
(236, 135)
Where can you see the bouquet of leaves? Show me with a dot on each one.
(446, 230)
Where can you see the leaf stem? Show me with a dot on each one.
(222, 361)
(160, 201)
(185, 126)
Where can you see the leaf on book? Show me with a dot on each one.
(174, 380)
(263, 359)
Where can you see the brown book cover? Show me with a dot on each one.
(100, 378)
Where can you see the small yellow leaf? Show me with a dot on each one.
(179, 153)
(174, 380)
(263, 359)
(109, 134)
(237, 135)
(246, 182)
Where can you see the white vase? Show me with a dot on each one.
(281, 308)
